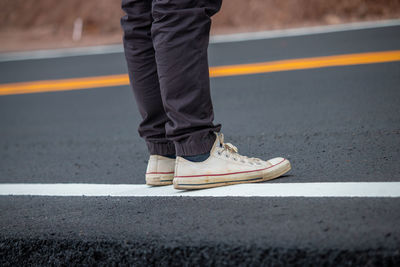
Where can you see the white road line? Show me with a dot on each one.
(339, 189)
(249, 36)
(62, 52)
(226, 38)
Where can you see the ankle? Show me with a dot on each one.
(197, 158)
(171, 156)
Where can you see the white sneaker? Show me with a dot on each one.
(160, 170)
(224, 167)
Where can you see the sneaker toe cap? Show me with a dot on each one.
(276, 161)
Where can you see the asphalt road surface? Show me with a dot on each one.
(335, 124)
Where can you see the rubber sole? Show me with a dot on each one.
(210, 181)
(157, 180)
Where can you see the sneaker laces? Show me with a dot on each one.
(233, 151)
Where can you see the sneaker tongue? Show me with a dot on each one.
(228, 146)
(220, 138)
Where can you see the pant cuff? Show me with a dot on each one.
(196, 144)
(167, 148)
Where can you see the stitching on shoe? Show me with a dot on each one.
(159, 172)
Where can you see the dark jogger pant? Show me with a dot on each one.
(165, 45)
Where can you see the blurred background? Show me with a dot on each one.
(42, 24)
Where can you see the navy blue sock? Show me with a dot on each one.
(197, 158)
(171, 156)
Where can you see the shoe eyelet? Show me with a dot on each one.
(235, 159)
(226, 155)
(219, 153)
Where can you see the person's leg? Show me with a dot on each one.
(180, 33)
(139, 53)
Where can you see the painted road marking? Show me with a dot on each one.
(225, 38)
(306, 63)
(64, 84)
(62, 52)
(263, 35)
(218, 71)
(339, 189)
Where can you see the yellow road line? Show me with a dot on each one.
(64, 84)
(220, 71)
(306, 63)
